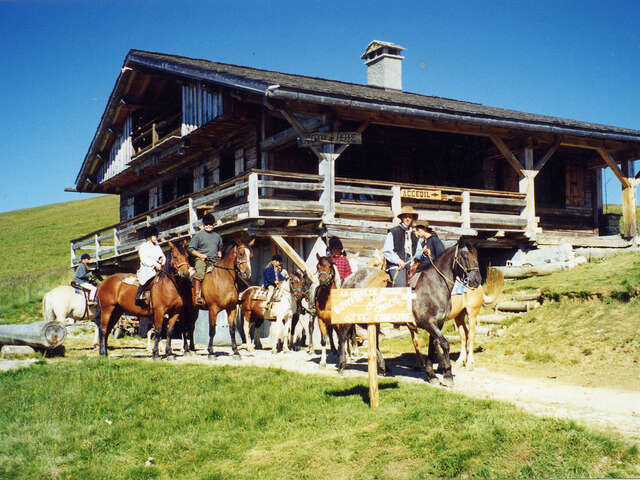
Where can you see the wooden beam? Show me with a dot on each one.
(508, 155)
(292, 254)
(295, 123)
(289, 134)
(543, 161)
(609, 160)
(363, 126)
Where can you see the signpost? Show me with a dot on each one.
(421, 194)
(372, 306)
(319, 138)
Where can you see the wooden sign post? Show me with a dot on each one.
(372, 306)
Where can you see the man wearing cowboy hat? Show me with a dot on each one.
(399, 246)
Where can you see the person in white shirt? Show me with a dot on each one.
(152, 260)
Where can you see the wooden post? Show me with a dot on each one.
(154, 134)
(374, 397)
(327, 168)
(465, 211)
(293, 255)
(253, 198)
(38, 334)
(193, 217)
(526, 185)
(629, 218)
(396, 200)
(116, 242)
(97, 243)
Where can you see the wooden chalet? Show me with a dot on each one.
(283, 156)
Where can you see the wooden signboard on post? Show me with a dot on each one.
(421, 193)
(318, 138)
(372, 306)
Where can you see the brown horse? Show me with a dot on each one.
(220, 288)
(116, 297)
(251, 312)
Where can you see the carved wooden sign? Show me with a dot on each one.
(371, 305)
(318, 138)
(421, 193)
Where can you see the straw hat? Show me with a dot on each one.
(408, 210)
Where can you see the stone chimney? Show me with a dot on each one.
(384, 65)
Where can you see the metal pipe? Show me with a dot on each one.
(278, 93)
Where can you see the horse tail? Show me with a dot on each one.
(47, 313)
(493, 286)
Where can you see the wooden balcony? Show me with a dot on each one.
(262, 201)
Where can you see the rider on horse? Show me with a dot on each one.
(399, 247)
(339, 258)
(430, 244)
(206, 246)
(271, 278)
(84, 278)
(152, 260)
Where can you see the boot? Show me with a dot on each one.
(198, 287)
(139, 298)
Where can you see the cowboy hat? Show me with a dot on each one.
(408, 210)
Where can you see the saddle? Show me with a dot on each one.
(209, 265)
(131, 280)
(260, 294)
(80, 290)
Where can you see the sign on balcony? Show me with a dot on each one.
(319, 138)
(421, 193)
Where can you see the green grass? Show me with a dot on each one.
(96, 418)
(618, 209)
(35, 253)
(616, 277)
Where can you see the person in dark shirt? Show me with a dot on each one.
(271, 277)
(432, 246)
(84, 278)
(206, 245)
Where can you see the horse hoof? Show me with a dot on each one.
(433, 381)
(447, 381)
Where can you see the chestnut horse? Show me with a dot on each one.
(220, 288)
(116, 297)
(251, 310)
(432, 305)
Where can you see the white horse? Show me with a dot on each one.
(283, 308)
(66, 304)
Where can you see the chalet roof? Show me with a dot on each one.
(259, 80)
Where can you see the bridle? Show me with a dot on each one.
(236, 263)
(325, 278)
(456, 262)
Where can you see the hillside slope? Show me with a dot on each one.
(35, 250)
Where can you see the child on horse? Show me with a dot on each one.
(206, 246)
(339, 258)
(271, 277)
(152, 260)
(83, 277)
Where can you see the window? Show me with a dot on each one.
(184, 185)
(140, 203)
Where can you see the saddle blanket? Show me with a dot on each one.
(260, 294)
(132, 280)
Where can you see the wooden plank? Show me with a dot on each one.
(497, 219)
(314, 138)
(289, 134)
(290, 185)
(372, 343)
(610, 161)
(507, 154)
(292, 254)
(465, 212)
(509, 202)
(363, 211)
(363, 191)
(290, 205)
(448, 216)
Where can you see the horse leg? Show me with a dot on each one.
(103, 329)
(213, 315)
(256, 333)
(330, 332)
(247, 332)
(294, 320)
(471, 338)
(381, 363)
(463, 331)
(310, 328)
(170, 328)
(231, 319)
(436, 336)
(286, 337)
(323, 342)
(344, 332)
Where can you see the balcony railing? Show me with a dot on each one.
(272, 195)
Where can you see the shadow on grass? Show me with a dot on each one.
(361, 390)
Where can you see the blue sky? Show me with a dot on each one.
(60, 58)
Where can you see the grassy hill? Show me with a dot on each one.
(35, 250)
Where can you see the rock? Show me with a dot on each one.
(13, 351)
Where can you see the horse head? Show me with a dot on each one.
(326, 270)
(179, 259)
(298, 284)
(465, 264)
(241, 255)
